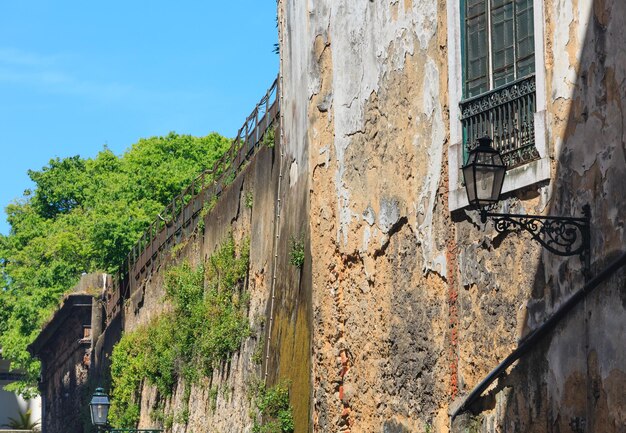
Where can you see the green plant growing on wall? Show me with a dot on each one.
(474, 424)
(208, 322)
(268, 138)
(127, 371)
(275, 413)
(183, 416)
(213, 393)
(206, 208)
(296, 251)
(230, 177)
(158, 415)
(248, 199)
(257, 356)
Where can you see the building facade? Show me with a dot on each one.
(65, 347)
(414, 299)
(409, 312)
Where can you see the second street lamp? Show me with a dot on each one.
(99, 408)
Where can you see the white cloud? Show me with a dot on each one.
(12, 56)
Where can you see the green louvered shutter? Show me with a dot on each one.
(503, 41)
(476, 48)
(525, 57)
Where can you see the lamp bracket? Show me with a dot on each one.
(134, 430)
(563, 236)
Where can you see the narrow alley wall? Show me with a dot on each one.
(414, 303)
(277, 351)
(574, 379)
(364, 88)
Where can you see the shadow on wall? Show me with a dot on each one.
(11, 406)
(574, 380)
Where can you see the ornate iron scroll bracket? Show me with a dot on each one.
(563, 236)
(133, 430)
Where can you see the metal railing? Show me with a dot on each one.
(506, 114)
(181, 216)
(531, 340)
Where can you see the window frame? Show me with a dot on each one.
(518, 177)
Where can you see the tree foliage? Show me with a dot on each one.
(84, 215)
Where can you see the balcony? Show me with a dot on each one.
(507, 115)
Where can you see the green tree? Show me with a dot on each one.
(84, 215)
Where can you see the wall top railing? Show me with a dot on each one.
(180, 217)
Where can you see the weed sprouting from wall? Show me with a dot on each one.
(268, 137)
(257, 356)
(475, 424)
(275, 415)
(296, 251)
(249, 199)
(206, 208)
(207, 324)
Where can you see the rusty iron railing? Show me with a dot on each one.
(180, 218)
(507, 115)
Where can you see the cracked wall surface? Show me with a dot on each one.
(370, 103)
(401, 306)
(413, 304)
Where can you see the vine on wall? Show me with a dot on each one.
(207, 324)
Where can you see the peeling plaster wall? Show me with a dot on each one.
(365, 88)
(402, 307)
(413, 305)
(570, 381)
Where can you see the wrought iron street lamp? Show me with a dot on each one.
(99, 407)
(484, 176)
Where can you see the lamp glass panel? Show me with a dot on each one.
(498, 181)
(470, 183)
(485, 178)
(100, 414)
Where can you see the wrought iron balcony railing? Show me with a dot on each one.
(507, 115)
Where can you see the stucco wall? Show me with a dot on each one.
(365, 88)
(412, 304)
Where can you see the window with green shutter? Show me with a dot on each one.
(498, 51)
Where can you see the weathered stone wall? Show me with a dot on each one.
(571, 381)
(229, 410)
(247, 209)
(65, 365)
(403, 306)
(412, 304)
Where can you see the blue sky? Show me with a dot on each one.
(76, 75)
